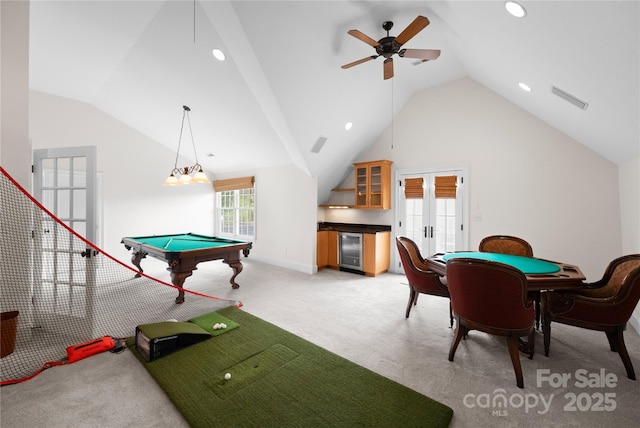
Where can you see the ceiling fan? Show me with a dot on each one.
(389, 45)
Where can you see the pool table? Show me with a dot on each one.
(184, 251)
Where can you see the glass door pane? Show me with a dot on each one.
(361, 186)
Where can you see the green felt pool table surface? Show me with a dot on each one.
(184, 242)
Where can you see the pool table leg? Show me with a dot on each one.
(236, 265)
(136, 258)
(177, 279)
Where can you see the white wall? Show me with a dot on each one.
(286, 217)
(15, 155)
(525, 177)
(135, 202)
(133, 168)
(14, 83)
(630, 215)
(630, 205)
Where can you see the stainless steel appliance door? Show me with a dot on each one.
(351, 250)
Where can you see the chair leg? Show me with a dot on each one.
(413, 296)
(546, 328)
(512, 342)
(536, 303)
(612, 342)
(532, 343)
(450, 315)
(618, 339)
(460, 331)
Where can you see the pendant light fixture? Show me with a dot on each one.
(188, 174)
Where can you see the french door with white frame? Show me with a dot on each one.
(65, 183)
(431, 210)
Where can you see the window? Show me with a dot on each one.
(235, 207)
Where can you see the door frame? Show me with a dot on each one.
(395, 259)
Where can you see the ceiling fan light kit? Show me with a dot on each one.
(389, 45)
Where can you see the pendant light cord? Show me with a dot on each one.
(392, 114)
(185, 112)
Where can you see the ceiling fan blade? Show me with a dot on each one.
(361, 36)
(414, 28)
(388, 68)
(360, 61)
(424, 54)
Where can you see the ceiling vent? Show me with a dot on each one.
(318, 145)
(570, 98)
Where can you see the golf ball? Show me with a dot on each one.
(227, 376)
(216, 326)
(223, 325)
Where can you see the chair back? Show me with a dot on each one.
(490, 294)
(615, 301)
(504, 244)
(614, 276)
(418, 273)
(409, 249)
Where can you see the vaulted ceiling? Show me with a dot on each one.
(281, 87)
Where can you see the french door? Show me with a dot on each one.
(431, 209)
(65, 183)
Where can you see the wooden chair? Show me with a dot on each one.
(491, 297)
(505, 244)
(605, 305)
(421, 279)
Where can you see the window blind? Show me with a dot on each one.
(233, 184)
(445, 186)
(413, 188)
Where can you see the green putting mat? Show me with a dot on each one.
(281, 380)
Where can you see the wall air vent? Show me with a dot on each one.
(570, 98)
(318, 145)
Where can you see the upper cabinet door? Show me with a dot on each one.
(373, 185)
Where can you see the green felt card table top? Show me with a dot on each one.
(527, 265)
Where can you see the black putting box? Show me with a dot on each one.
(159, 339)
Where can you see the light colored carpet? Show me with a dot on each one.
(113, 390)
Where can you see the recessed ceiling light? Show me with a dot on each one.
(348, 125)
(515, 9)
(524, 87)
(218, 54)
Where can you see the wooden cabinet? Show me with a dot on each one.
(322, 253)
(373, 185)
(375, 250)
(333, 260)
(327, 249)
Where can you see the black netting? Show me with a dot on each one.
(64, 297)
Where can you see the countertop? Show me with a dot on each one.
(354, 227)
